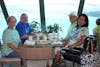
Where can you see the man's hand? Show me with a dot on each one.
(34, 35)
(24, 36)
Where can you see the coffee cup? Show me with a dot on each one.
(30, 37)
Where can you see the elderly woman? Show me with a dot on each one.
(76, 37)
(11, 39)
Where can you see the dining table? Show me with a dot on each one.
(38, 55)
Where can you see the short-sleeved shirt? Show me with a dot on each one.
(10, 36)
(70, 29)
(23, 29)
(97, 30)
(75, 36)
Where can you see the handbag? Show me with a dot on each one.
(89, 58)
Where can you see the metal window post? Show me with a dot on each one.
(81, 5)
(42, 15)
(4, 10)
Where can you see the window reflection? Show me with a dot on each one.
(17, 7)
(56, 11)
(3, 24)
(91, 8)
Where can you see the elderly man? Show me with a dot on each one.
(23, 28)
(73, 21)
(11, 39)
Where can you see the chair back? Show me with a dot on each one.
(90, 43)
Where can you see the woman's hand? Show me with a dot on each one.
(65, 42)
(18, 50)
(10, 45)
(72, 46)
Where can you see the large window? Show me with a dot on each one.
(3, 24)
(92, 9)
(56, 11)
(17, 7)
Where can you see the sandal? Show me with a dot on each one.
(57, 59)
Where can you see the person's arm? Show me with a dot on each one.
(24, 36)
(10, 45)
(78, 43)
(65, 42)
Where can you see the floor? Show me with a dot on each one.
(68, 64)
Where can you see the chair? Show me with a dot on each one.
(74, 54)
(71, 56)
(4, 60)
(10, 61)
